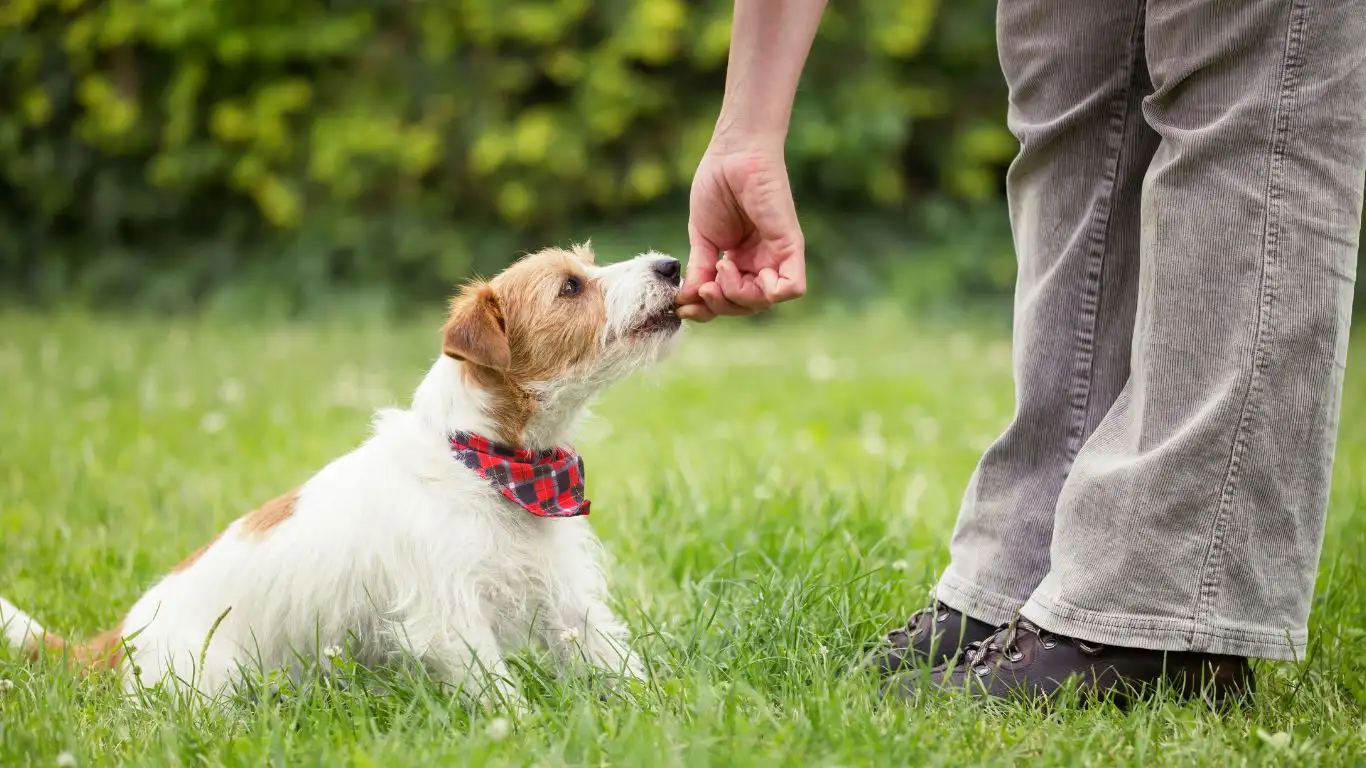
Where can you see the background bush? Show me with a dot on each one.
(157, 149)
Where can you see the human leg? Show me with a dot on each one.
(1076, 79)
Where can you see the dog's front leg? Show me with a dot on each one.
(589, 631)
(467, 657)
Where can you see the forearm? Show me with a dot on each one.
(769, 43)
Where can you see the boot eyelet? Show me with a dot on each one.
(1050, 643)
(982, 670)
(1016, 657)
(941, 617)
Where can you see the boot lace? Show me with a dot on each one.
(1004, 643)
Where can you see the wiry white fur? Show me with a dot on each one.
(632, 293)
(626, 306)
(396, 548)
(18, 628)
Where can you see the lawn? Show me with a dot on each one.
(774, 498)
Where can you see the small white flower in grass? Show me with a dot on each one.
(900, 566)
(66, 760)
(819, 367)
(213, 422)
(6, 685)
(332, 651)
(1278, 740)
(570, 636)
(870, 434)
(499, 728)
(231, 391)
(183, 400)
(897, 461)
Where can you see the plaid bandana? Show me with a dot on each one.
(545, 483)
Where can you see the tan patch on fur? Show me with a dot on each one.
(198, 553)
(102, 652)
(270, 514)
(50, 643)
(521, 327)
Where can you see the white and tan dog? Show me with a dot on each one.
(400, 548)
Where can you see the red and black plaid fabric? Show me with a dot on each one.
(546, 483)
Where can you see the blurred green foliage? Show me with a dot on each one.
(155, 148)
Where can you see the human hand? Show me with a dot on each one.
(741, 206)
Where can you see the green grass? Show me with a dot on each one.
(774, 498)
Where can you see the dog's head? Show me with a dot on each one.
(552, 330)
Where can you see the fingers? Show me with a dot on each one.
(701, 271)
(700, 299)
(733, 293)
(788, 281)
(702, 257)
(711, 303)
(714, 288)
(768, 282)
(740, 290)
(716, 300)
(697, 313)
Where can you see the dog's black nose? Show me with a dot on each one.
(668, 269)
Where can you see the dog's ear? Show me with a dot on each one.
(584, 252)
(476, 331)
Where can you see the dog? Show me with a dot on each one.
(453, 534)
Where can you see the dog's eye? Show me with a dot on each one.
(572, 286)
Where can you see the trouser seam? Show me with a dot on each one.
(1213, 568)
(1097, 238)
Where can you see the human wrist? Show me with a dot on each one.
(732, 136)
(748, 119)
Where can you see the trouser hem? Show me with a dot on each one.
(975, 601)
(1162, 633)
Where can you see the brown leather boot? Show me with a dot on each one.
(932, 636)
(1022, 660)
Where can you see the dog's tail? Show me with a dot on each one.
(24, 634)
